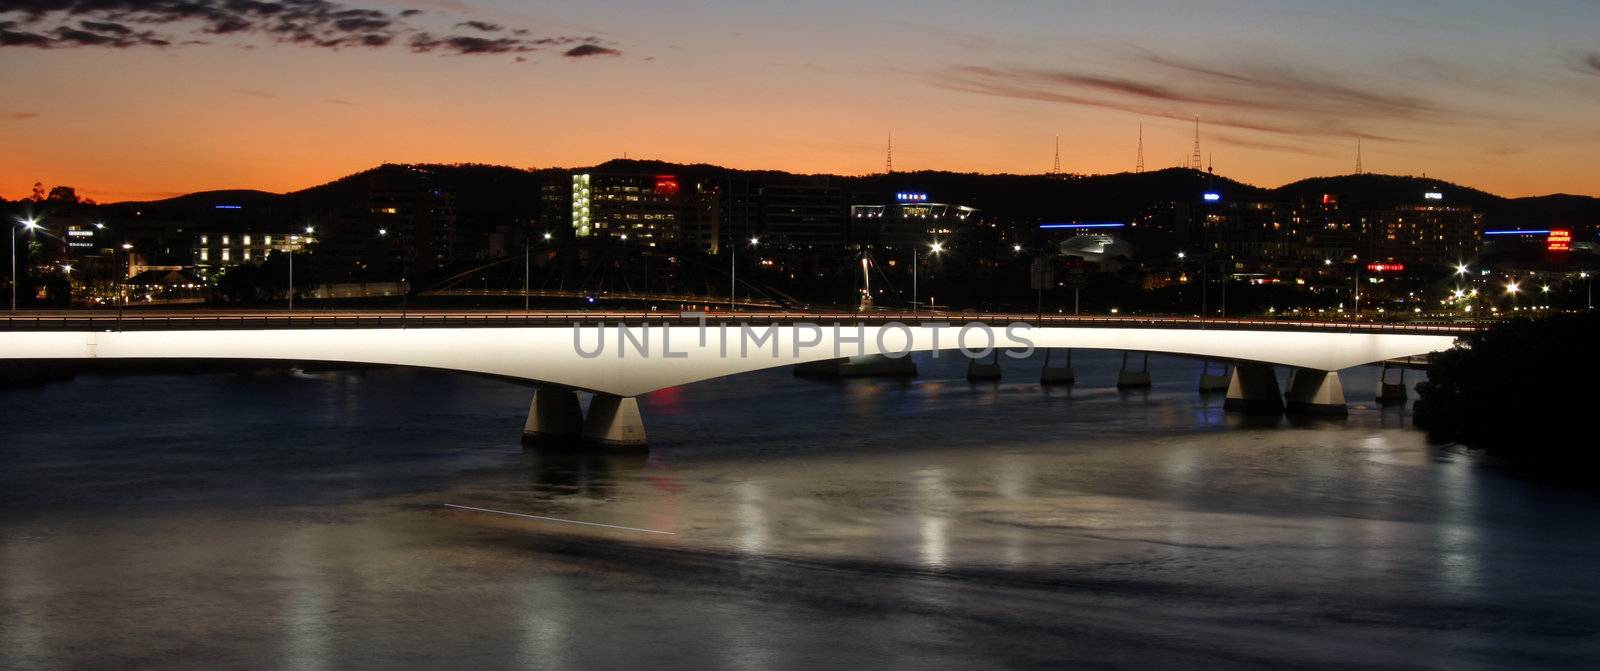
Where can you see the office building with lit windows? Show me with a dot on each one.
(645, 209)
(910, 218)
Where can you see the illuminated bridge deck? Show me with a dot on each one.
(176, 320)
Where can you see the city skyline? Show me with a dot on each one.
(154, 100)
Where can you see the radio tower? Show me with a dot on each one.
(1194, 159)
(1055, 168)
(888, 161)
(1139, 165)
(1358, 156)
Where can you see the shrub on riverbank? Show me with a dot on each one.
(1526, 390)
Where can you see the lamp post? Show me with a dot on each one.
(733, 270)
(934, 248)
(122, 290)
(1589, 302)
(292, 240)
(29, 225)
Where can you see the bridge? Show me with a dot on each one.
(618, 356)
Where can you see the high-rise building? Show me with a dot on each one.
(642, 208)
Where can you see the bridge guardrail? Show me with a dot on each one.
(140, 320)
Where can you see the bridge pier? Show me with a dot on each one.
(865, 365)
(1134, 379)
(1253, 388)
(554, 417)
(1057, 374)
(1391, 393)
(1315, 392)
(979, 371)
(614, 422)
(1213, 383)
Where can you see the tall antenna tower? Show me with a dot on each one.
(888, 161)
(1139, 166)
(1211, 163)
(1055, 168)
(1194, 159)
(1358, 156)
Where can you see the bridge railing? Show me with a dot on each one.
(144, 320)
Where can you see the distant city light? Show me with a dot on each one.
(1517, 231)
(1016, 248)
(1559, 240)
(1461, 269)
(1105, 225)
(911, 197)
(1212, 196)
(1433, 195)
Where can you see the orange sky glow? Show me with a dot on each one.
(1490, 96)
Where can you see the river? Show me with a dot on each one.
(326, 520)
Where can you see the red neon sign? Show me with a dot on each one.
(1559, 240)
(1385, 267)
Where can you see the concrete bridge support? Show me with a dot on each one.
(1391, 393)
(1315, 392)
(1134, 379)
(614, 422)
(1214, 382)
(866, 365)
(554, 417)
(1057, 374)
(1253, 388)
(979, 370)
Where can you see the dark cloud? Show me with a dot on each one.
(1591, 63)
(590, 49)
(49, 24)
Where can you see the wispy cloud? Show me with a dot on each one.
(19, 116)
(123, 24)
(1256, 96)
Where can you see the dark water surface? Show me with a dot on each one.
(300, 521)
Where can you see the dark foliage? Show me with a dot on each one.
(1522, 391)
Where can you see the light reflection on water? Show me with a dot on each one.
(296, 520)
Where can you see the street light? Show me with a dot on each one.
(733, 270)
(934, 248)
(293, 240)
(122, 291)
(29, 224)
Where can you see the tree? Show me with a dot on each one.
(1522, 390)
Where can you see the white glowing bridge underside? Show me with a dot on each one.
(547, 354)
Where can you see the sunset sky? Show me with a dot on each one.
(158, 99)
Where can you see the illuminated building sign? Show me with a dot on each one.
(1105, 225)
(666, 185)
(1433, 195)
(1330, 199)
(1517, 231)
(580, 205)
(1212, 196)
(910, 197)
(230, 207)
(1385, 267)
(1559, 240)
